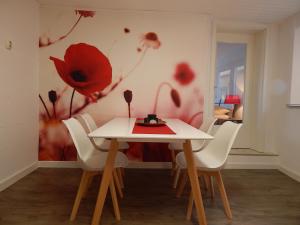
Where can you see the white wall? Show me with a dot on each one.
(282, 125)
(288, 141)
(18, 88)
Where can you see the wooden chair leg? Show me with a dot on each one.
(173, 161)
(114, 200)
(203, 183)
(223, 195)
(89, 182)
(190, 207)
(212, 191)
(206, 182)
(209, 185)
(81, 190)
(183, 181)
(120, 177)
(117, 184)
(122, 171)
(176, 177)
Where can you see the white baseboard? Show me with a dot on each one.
(252, 162)
(58, 164)
(234, 162)
(294, 175)
(5, 183)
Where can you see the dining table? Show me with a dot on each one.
(127, 130)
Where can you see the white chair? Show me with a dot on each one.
(100, 143)
(212, 159)
(92, 162)
(197, 145)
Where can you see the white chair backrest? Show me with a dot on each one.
(89, 125)
(90, 122)
(208, 125)
(223, 140)
(81, 141)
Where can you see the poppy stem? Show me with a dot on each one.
(85, 104)
(137, 64)
(64, 36)
(71, 103)
(157, 95)
(46, 109)
(72, 28)
(54, 110)
(194, 116)
(129, 111)
(111, 48)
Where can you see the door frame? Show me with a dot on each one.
(243, 139)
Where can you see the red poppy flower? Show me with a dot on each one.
(85, 13)
(184, 74)
(84, 68)
(150, 40)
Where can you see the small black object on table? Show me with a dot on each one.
(151, 118)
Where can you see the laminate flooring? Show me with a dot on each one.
(45, 197)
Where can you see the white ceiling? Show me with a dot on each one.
(259, 11)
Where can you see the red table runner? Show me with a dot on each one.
(139, 129)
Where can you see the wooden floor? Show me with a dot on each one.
(45, 197)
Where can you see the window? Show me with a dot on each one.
(230, 80)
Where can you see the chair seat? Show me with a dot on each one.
(203, 161)
(196, 146)
(104, 144)
(97, 160)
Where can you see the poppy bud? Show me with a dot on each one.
(85, 13)
(126, 30)
(128, 96)
(52, 96)
(175, 97)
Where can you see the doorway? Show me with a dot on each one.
(232, 87)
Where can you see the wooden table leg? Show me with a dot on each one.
(192, 172)
(106, 178)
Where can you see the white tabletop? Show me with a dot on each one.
(121, 129)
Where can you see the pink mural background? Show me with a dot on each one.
(99, 63)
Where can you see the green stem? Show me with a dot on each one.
(137, 63)
(54, 110)
(129, 113)
(64, 36)
(157, 94)
(71, 103)
(47, 111)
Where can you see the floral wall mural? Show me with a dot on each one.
(128, 64)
